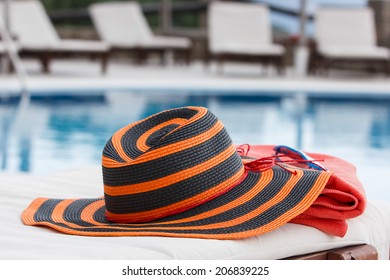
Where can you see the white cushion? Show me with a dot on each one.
(168, 42)
(122, 24)
(14, 47)
(18, 241)
(81, 45)
(34, 30)
(31, 24)
(348, 33)
(240, 28)
(354, 52)
(251, 49)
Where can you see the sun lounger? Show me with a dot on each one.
(124, 27)
(38, 38)
(18, 241)
(347, 35)
(242, 31)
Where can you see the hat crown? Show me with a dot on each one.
(168, 163)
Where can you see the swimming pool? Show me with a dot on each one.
(68, 130)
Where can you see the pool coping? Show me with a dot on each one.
(273, 86)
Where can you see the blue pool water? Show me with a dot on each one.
(68, 130)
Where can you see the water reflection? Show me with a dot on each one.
(380, 130)
(360, 124)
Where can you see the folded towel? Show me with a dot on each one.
(342, 198)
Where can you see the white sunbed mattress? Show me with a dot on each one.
(18, 241)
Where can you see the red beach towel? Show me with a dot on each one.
(342, 198)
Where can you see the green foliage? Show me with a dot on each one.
(69, 4)
(183, 20)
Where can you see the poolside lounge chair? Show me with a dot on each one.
(242, 31)
(38, 38)
(124, 27)
(346, 35)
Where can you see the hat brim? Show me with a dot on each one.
(263, 201)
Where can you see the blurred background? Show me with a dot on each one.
(189, 18)
(313, 75)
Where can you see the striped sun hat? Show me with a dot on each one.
(178, 174)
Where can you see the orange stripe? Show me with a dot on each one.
(169, 149)
(170, 179)
(89, 211)
(182, 145)
(58, 213)
(116, 141)
(176, 207)
(116, 138)
(106, 161)
(28, 214)
(141, 142)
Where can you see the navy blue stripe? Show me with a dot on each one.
(156, 136)
(72, 212)
(43, 213)
(110, 152)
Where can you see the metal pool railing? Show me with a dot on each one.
(11, 50)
